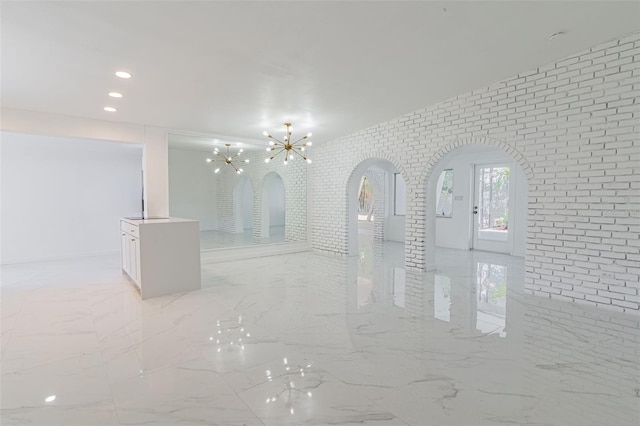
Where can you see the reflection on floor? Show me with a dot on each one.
(218, 239)
(311, 339)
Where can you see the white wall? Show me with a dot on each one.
(456, 231)
(192, 187)
(62, 197)
(156, 186)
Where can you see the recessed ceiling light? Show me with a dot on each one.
(110, 109)
(555, 35)
(123, 74)
(115, 94)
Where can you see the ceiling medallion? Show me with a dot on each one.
(288, 147)
(227, 158)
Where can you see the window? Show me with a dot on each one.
(399, 195)
(444, 194)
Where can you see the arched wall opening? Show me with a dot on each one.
(272, 217)
(389, 213)
(243, 204)
(467, 183)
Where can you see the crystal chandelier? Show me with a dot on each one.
(287, 146)
(227, 158)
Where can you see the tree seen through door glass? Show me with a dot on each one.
(444, 194)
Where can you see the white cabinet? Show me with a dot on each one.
(130, 252)
(161, 256)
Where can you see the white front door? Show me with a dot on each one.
(491, 208)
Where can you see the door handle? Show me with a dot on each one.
(475, 209)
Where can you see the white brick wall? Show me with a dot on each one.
(572, 126)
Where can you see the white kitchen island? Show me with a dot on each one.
(161, 256)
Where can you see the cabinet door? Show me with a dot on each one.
(125, 251)
(134, 259)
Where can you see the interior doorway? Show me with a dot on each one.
(491, 207)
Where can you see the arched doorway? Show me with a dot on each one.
(476, 198)
(272, 218)
(385, 202)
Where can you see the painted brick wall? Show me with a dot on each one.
(226, 179)
(573, 127)
(294, 176)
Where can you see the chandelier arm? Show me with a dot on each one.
(277, 153)
(276, 139)
(300, 154)
(301, 139)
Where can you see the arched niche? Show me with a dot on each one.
(385, 217)
(243, 204)
(272, 211)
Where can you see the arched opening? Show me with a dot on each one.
(273, 207)
(243, 205)
(376, 203)
(476, 198)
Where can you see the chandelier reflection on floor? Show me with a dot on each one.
(227, 158)
(287, 146)
(290, 393)
(230, 335)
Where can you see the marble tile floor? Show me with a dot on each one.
(212, 240)
(307, 339)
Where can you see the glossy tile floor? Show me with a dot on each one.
(211, 240)
(309, 339)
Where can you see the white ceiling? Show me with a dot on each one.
(236, 68)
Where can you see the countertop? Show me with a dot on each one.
(134, 221)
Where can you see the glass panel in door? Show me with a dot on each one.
(491, 208)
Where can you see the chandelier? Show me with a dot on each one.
(227, 158)
(287, 146)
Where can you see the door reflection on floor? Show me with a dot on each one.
(491, 292)
(442, 298)
(468, 293)
(475, 303)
